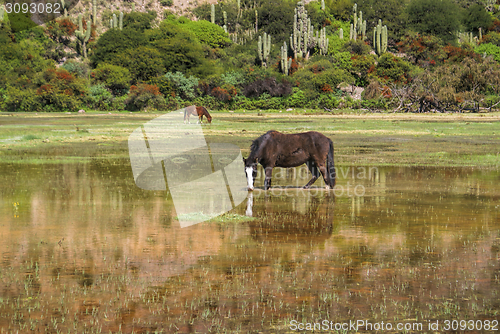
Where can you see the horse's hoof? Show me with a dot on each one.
(250, 189)
(306, 187)
(327, 187)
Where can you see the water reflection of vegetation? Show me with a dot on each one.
(87, 251)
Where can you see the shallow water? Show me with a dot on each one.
(84, 250)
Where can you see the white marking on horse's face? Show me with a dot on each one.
(249, 171)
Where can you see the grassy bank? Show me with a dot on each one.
(359, 138)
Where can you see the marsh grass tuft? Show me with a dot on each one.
(30, 137)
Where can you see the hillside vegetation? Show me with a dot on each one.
(409, 55)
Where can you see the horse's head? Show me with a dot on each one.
(251, 171)
(209, 118)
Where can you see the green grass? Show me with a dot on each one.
(359, 137)
(225, 218)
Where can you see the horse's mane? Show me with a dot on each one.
(205, 112)
(256, 144)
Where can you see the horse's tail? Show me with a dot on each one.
(185, 114)
(330, 166)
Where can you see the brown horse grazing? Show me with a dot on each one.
(197, 111)
(275, 149)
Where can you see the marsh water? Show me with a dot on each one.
(85, 250)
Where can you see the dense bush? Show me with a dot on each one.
(208, 33)
(115, 78)
(431, 17)
(185, 87)
(268, 85)
(61, 91)
(100, 98)
(145, 97)
(77, 68)
(489, 49)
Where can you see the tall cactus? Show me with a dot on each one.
(341, 33)
(94, 12)
(286, 63)
(224, 14)
(120, 21)
(2, 11)
(212, 13)
(239, 9)
(115, 21)
(256, 21)
(380, 38)
(323, 5)
(264, 47)
(83, 36)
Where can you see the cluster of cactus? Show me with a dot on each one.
(285, 62)
(264, 47)
(322, 41)
(358, 27)
(243, 37)
(83, 36)
(115, 22)
(468, 37)
(380, 38)
(302, 39)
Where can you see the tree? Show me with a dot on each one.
(138, 21)
(476, 17)
(276, 19)
(208, 33)
(115, 78)
(391, 12)
(431, 17)
(143, 63)
(115, 41)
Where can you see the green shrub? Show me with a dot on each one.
(100, 98)
(22, 100)
(297, 99)
(489, 49)
(115, 78)
(76, 68)
(145, 97)
(184, 86)
(167, 3)
(208, 33)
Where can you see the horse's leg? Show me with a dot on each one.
(269, 174)
(314, 171)
(324, 172)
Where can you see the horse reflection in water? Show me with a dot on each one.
(302, 218)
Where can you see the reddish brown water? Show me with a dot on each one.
(84, 250)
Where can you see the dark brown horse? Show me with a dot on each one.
(197, 111)
(275, 149)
